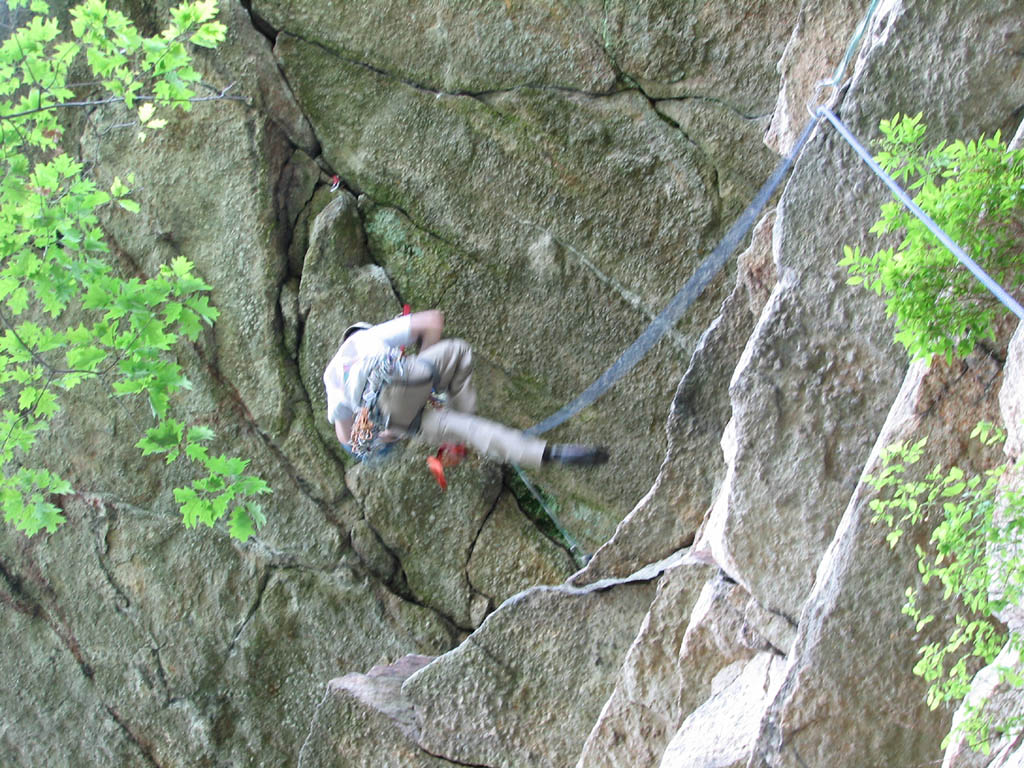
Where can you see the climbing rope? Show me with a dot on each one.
(851, 49)
(997, 290)
(683, 299)
(581, 557)
(713, 264)
(720, 255)
(693, 288)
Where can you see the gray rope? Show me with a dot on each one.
(693, 288)
(689, 293)
(710, 267)
(581, 557)
(850, 50)
(997, 290)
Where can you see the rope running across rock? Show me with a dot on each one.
(713, 264)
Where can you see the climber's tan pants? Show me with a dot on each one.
(496, 441)
(448, 367)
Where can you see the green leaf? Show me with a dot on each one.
(119, 188)
(163, 438)
(159, 402)
(253, 486)
(41, 514)
(46, 405)
(200, 434)
(85, 358)
(222, 465)
(197, 452)
(17, 302)
(54, 249)
(201, 306)
(209, 35)
(181, 266)
(192, 506)
(245, 520)
(969, 189)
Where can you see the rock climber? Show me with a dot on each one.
(377, 394)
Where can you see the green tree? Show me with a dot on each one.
(66, 315)
(974, 554)
(975, 192)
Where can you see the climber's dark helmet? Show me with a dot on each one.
(353, 328)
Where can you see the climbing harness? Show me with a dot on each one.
(370, 422)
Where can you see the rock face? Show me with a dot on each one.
(554, 649)
(364, 720)
(852, 600)
(548, 175)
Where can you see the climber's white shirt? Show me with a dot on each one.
(345, 375)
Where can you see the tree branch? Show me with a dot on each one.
(222, 96)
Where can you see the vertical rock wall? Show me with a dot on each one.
(549, 174)
(792, 649)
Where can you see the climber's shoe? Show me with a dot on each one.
(437, 470)
(577, 455)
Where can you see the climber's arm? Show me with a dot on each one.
(343, 429)
(426, 327)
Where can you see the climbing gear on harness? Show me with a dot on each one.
(370, 422)
(577, 455)
(382, 371)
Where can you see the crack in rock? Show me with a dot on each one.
(629, 297)
(143, 746)
(254, 608)
(33, 606)
(480, 95)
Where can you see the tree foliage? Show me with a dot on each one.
(66, 315)
(975, 192)
(975, 555)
